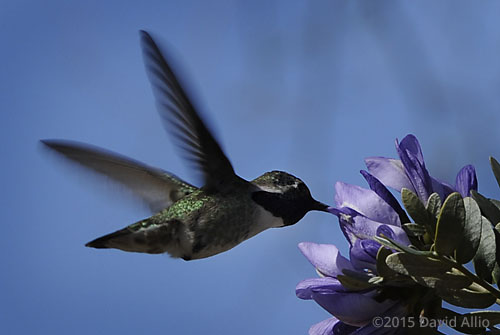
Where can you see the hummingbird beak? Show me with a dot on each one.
(319, 206)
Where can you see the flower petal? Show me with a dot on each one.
(356, 226)
(305, 288)
(441, 188)
(353, 308)
(394, 233)
(325, 257)
(466, 180)
(410, 144)
(366, 202)
(382, 191)
(324, 327)
(390, 172)
(363, 254)
(410, 153)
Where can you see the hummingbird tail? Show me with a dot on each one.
(107, 241)
(98, 243)
(140, 237)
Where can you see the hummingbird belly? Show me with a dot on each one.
(194, 227)
(211, 224)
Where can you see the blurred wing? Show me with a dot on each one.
(187, 127)
(157, 188)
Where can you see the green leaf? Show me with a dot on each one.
(382, 269)
(488, 209)
(390, 243)
(412, 265)
(495, 274)
(471, 236)
(495, 166)
(426, 271)
(414, 229)
(415, 207)
(355, 280)
(496, 269)
(377, 280)
(354, 283)
(485, 258)
(396, 281)
(451, 279)
(387, 276)
(495, 202)
(434, 204)
(450, 225)
(466, 297)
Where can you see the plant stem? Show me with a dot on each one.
(481, 282)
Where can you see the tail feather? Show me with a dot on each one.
(104, 242)
(140, 237)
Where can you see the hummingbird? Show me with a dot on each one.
(190, 222)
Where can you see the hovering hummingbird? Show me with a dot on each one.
(190, 222)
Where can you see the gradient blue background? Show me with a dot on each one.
(306, 87)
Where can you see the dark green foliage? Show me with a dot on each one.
(485, 258)
(444, 236)
(412, 265)
(488, 208)
(466, 297)
(418, 211)
(471, 235)
(495, 166)
(450, 225)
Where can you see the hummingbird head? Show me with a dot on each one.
(285, 196)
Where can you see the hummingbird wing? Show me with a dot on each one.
(157, 188)
(189, 131)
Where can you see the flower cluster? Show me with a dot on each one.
(353, 290)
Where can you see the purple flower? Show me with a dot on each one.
(363, 214)
(410, 172)
(466, 180)
(353, 311)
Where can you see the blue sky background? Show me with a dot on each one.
(309, 87)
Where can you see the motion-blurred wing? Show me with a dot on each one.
(184, 122)
(157, 188)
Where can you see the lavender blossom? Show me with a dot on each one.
(364, 214)
(410, 172)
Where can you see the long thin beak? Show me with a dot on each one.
(319, 206)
